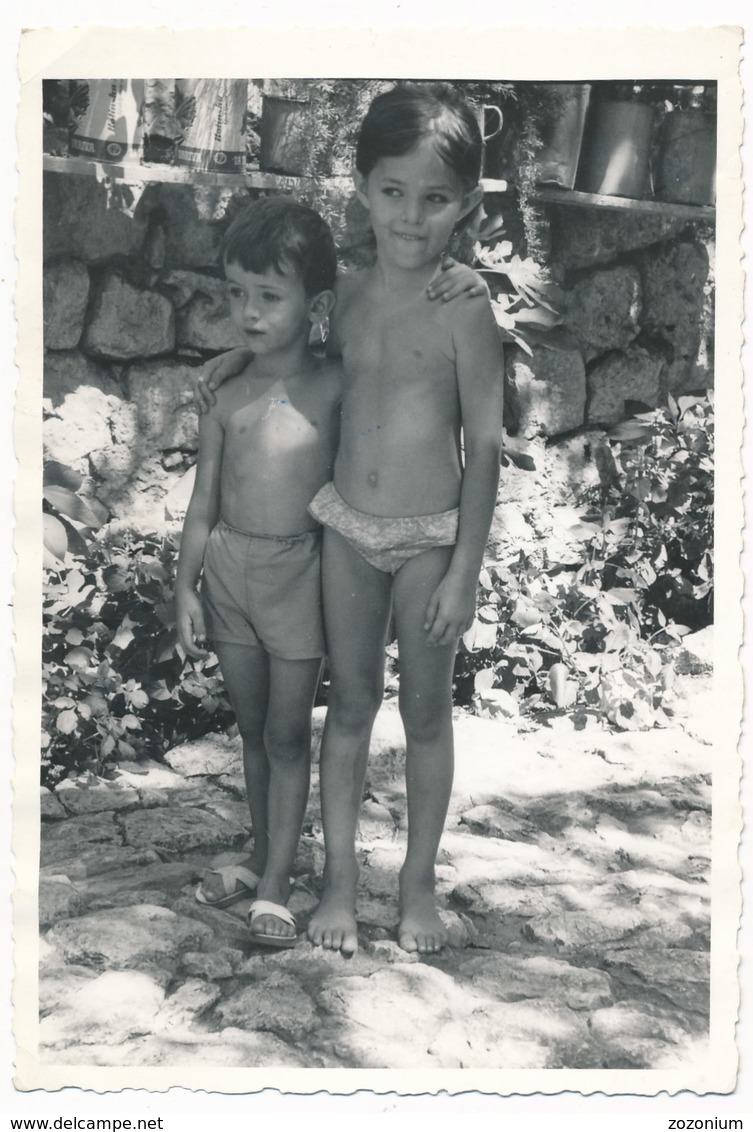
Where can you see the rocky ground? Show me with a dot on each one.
(574, 872)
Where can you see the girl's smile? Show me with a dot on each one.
(414, 202)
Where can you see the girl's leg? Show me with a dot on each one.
(287, 740)
(357, 600)
(245, 672)
(426, 709)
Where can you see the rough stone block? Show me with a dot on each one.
(79, 222)
(189, 240)
(58, 899)
(65, 372)
(67, 839)
(587, 238)
(510, 979)
(203, 319)
(50, 808)
(675, 282)
(546, 393)
(213, 754)
(677, 974)
(65, 296)
(128, 323)
(79, 427)
(534, 1034)
(175, 831)
(98, 798)
(279, 1005)
(126, 938)
(222, 963)
(107, 1009)
(165, 417)
(634, 375)
(181, 1009)
(603, 310)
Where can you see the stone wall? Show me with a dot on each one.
(637, 321)
(133, 302)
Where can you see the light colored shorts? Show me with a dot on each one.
(385, 542)
(264, 591)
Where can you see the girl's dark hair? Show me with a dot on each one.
(280, 233)
(402, 117)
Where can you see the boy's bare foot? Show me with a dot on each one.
(333, 924)
(420, 928)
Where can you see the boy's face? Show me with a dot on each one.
(271, 310)
(414, 202)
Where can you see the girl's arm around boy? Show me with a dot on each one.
(201, 517)
(480, 380)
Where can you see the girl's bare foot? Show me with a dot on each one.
(333, 924)
(420, 928)
(268, 924)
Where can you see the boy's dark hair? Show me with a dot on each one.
(398, 120)
(280, 233)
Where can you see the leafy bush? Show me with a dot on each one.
(116, 682)
(596, 634)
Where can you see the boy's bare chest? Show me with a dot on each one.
(279, 420)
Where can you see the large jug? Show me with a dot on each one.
(617, 150)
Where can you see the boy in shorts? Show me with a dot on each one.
(265, 448)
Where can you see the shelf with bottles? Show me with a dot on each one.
(701, 213)
(133, 173)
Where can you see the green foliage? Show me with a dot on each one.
(67, 515)
(597, 635)
(116, 682)
(662, 483)
(523, 295)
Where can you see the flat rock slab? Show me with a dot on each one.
(628, 1021)
(181, 829)
(228, 926)
(129, 938)
(58, 899)
(50, 808)
(67, 839)
(579, 929)
(185, 1005)
(211, 754)
(493, 821)
(222, 963)
(279, 1005)
(97, 798)
(107, 1009)
(168, 877)
(536, 1034)
(403, 1005)
(511, 979)
(678, 974)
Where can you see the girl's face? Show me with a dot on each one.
(414, 202)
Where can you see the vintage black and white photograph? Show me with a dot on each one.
(387, 699)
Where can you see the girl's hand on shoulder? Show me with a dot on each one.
(450, 611)
(211, 376)
(190, 623)
(456, 279)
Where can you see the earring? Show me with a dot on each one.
(323, 325)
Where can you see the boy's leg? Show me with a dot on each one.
(426, 709)
(357, 600)
(245, 672)
(287, 740)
